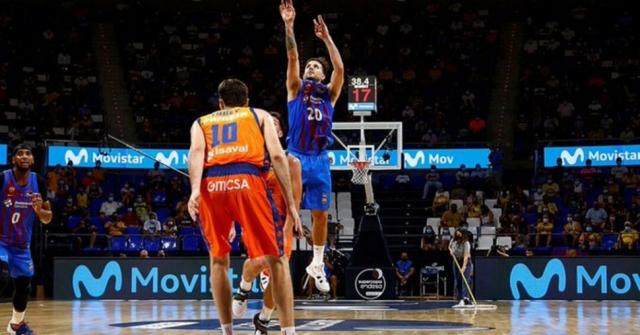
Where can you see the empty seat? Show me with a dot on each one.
(497, 213)
(488, 231)
(169, 243)
(490, 202)
(132, 231)
(473, 223)
(344, 214)
(117, 243)
(134, 243)
(434, 223)
(190, 243)
(344, 196)
(152, 245)
(504, 241)
(73, 221)
(459, 203)
(485, 242)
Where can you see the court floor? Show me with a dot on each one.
(340, 317)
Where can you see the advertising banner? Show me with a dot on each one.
(547, 278)
(604, 155)
(446, 158)
(3, 154)
(139, 279)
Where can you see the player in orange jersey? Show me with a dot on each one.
(226, 161)
(253, 267)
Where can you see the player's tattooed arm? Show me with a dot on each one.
(288, 14)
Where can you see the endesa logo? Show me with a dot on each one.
(568, 279)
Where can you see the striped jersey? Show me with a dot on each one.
(310, 119)
(16, 210)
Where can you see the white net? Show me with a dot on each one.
(360, 171)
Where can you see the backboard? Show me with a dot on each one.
(382, 145)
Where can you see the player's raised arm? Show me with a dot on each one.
(288, 14)
(280, 166)
(337, 76)
(196, 165)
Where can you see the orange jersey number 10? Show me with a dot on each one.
(229, 134)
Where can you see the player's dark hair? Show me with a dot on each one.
(326, 68)
(234, 92)
(277, 116)
(21, 146)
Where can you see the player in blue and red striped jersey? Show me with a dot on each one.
(21, 204)
(310, 106)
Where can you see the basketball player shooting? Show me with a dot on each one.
(21, 202)
(310, 106)
(226, 161)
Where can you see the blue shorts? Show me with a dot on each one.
(19, 261)
(316, 180)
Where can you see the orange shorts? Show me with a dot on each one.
(274, 187)
(238, 193)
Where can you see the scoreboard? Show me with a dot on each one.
(362, 95)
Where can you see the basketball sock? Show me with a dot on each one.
(245, 285)
(227, 329)
(265, 313)
(318, 255)
(17, 317)
(288, 331)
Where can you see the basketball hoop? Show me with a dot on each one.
(360, 171)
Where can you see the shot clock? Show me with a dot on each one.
(362, 95)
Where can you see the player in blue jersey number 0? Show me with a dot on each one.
(21, 204)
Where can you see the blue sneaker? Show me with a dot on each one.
(21, 328)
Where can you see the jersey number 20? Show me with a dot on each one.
(314, 114)
(229, 134)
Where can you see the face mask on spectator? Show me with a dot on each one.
(588, 228)
(110, 199)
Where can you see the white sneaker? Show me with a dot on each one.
(239, 303)
(264, 280)
(460, 304)
(317, 273)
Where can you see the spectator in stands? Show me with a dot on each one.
(69, 209)
(94, 191)
(175, 189)
(141, 208)
(169, 228)
(53, 176)
(110, 206)
(152, 227)
(618, 172)
(571, 232)
(428, 242)
(558, 171)
(627, 135)
(487, 217)
(158, 196)
(478, 178)
(127, 194)
(144, 253)
(551, 190)
(544, 230)
(440, 202)
(631, 180)
(462, 175)
(432, 182)
(155, 177)
(451, 218)
(404, 273)
(98, 173)
(63, 190)
(161, 253)
(596, 216)
(115, 226)
(628, 237)
(130, 218)
(333, 228)
(496, 158)
(87, 232)
(548, 207)
(474, 210)
(589, 239)
(82, 200)
(588, 173)
(69, 174)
